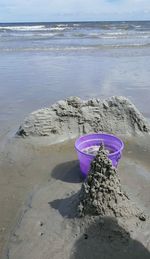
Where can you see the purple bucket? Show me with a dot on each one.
(111, 143)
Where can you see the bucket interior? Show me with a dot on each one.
(90, 146)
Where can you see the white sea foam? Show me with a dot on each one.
(32, 28)
(76, 25)
(62, 25)
(75, 48)
(23, 28)
(56, 28)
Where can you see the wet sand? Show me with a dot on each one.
(25, 167)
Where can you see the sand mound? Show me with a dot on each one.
(101, 193)
(73, 117)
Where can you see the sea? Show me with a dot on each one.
(41, 63)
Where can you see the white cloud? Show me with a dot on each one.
(76, 9)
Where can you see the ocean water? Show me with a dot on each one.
(41, 63)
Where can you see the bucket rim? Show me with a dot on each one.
(99, 133)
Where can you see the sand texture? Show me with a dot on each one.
(50, 229)
(73, 117)
(101, 193)
(50, 226)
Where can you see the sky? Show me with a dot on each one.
(73, 10)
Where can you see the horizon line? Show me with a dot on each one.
(76, 21)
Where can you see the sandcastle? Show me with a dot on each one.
(73, 117)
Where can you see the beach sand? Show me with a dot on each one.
(23, 167)
(40, 182)
(37, 186)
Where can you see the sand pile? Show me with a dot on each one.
(73, 117)
(101, 193)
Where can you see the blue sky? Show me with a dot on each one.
(73, 10)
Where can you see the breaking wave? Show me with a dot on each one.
(74, 36)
